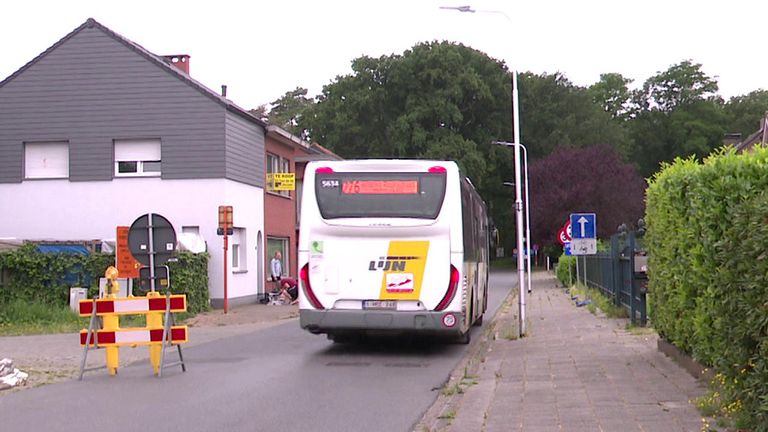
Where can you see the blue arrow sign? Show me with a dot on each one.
(583, 226)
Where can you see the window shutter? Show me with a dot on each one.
(46, 160)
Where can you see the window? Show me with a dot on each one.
(46, 160)
(277, 244)
(380, 194)
(277, 164)
(237, 245)
(191, 229)
(137, 158)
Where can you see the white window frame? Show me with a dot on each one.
(46, 160)
(278, 164)
(144, 153)
(238, 250)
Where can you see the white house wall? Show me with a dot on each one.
(65, 210)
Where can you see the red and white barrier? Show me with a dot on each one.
(133, 305)
(135, 336)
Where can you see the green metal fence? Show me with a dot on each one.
(619, 274)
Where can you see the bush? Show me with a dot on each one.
(45, 278)
(189, 275)
(566, 270)
(708, 268)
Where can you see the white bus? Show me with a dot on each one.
(391, 246)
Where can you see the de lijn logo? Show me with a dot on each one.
(390, 263)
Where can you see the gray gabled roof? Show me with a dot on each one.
(153, 58)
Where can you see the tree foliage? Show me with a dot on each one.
(555, 113)
(287, 111)
(437, 100)
(591, 179)
(612, 94)
(745, 112)
(447, 101)
(678, 86)
(676, 114)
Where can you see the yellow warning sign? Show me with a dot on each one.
(281, 181)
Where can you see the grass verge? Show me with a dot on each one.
(599, 301)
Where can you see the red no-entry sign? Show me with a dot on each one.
(564, 235)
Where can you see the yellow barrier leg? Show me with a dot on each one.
(112, 322)
(155, 321)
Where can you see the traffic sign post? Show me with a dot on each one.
(584, 232)
(225, 229)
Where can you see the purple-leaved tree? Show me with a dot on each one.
(583, 180)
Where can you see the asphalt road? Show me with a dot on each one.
(280, 378)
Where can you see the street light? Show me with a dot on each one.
(459, 8)
(518, 177)
(527, 215)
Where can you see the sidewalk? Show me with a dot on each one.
(51, 358)
(573, 371)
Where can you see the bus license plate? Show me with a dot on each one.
(379, 304)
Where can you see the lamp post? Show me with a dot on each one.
(518, 176)
(527, 214)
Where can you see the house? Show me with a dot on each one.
(97, 131)
(760, 137)
(286, 153)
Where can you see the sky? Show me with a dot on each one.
(263, 49)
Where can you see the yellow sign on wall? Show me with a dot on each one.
(281, 181)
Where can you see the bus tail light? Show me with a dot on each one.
(323, 170)
(304, 275)
(451, 292)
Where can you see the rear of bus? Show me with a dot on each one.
(380, 249)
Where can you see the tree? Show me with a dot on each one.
(592, 179)
(676, 114)
(678, 86)
(612, 94)
(745, 112)
(437, 100)
(554, 113)
(286, 112)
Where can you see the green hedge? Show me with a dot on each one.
(708, 268)
(45, 278)
(189, 275)
(566, 270)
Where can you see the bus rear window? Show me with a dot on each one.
(402, 195)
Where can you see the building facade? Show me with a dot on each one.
(286, 153)
(97, 131)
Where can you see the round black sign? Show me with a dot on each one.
(151, 235)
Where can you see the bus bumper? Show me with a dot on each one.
(417, 322)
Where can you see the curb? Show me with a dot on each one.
(439, 415)
(685, 361)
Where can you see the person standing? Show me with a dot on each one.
(276, 268)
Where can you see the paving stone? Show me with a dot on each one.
(575, 371)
